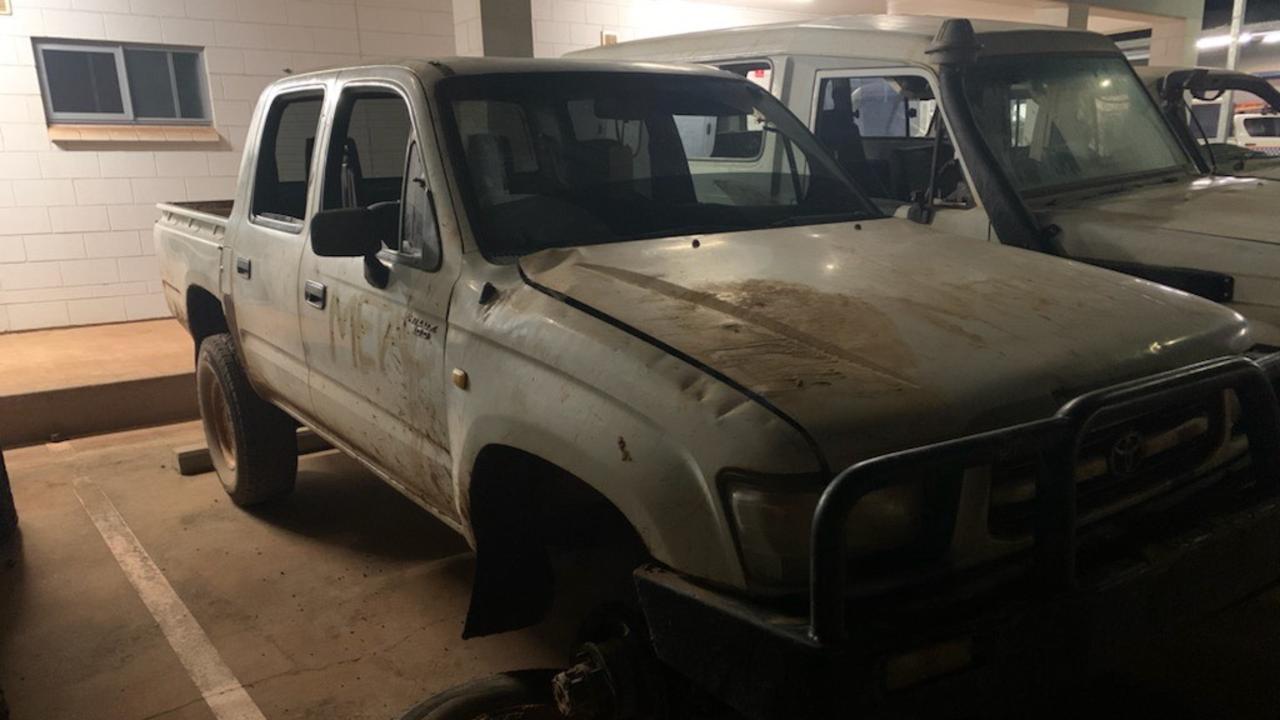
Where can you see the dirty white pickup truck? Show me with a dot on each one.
(519, 293)
(1035, 137)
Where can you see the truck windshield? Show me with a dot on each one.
(578, 158)
(1055, 123)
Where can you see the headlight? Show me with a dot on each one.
(772, 516)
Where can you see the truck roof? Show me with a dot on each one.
(432, 70)
(891, 37)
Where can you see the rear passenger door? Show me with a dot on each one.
(268, 240)
(376, 354)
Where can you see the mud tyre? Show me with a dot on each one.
(524, 695)
(253, 445)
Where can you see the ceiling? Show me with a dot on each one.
(1047, 12)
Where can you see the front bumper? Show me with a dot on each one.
(1011, 630)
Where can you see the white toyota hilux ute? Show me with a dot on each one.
(526, 295)
(1049, 142)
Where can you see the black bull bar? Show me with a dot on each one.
(1056, 441)
(721, 640)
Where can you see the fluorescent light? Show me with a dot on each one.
(1221, 41)
(1271, 38)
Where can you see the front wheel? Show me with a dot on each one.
(523, 695)
(252, 444)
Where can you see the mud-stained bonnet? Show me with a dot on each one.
(852, 330)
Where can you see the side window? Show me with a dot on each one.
(1022, 121)
(880, 107)
(419, 237)
(736, 137)
(1267, 127)
(365, 163)
(882, 130)
(284, 158)
(1207, 116)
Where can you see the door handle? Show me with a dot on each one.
(244, 266)
(314, 293)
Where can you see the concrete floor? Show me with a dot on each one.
(346, 601)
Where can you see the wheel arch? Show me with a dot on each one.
(520, 508)
(205, 315)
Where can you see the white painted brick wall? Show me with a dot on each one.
(75, 221)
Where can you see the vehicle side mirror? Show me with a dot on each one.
(357, 232)
(345, 232)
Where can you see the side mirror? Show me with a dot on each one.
(345, 232)
(358, 232)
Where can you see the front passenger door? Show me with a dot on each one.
(376, 355)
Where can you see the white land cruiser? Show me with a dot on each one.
(523, 294)
(1048, 141)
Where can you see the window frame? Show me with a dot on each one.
(117, 49)
(815, 100)
(322, 126)
(414, 150)
(356, 86)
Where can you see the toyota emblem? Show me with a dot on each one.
(1126, 455)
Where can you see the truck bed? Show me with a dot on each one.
(217, 208)
(190, 239)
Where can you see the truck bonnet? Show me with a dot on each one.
(857, 331)
(1226, 207)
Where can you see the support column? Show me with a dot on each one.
(1227, 116)
(1173, 42)
(468, 37)
(493, 28)
(1078, 16)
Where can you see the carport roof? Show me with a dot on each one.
(898, 37)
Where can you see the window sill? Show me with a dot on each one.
(70, 133)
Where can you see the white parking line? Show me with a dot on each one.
(221, 690)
